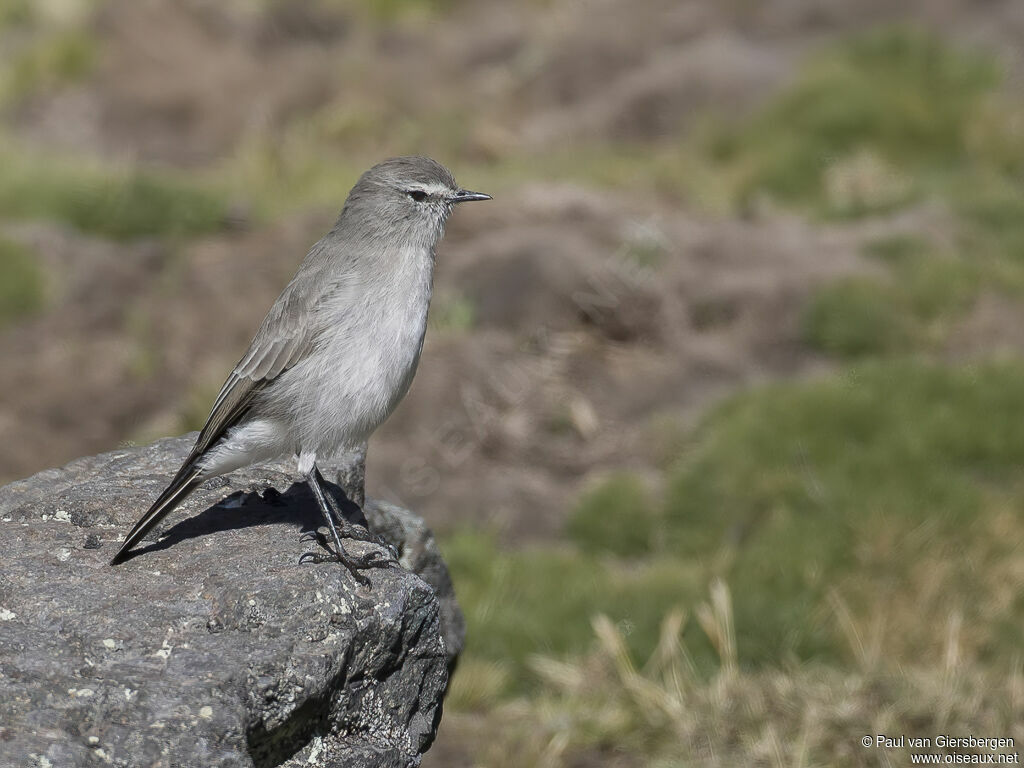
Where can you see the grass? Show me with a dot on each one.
(869, 125)
(605, 707)
(47, 46)
(897, 249)
(195, 409)
(914, 303)
(452, 314)
(381, 11)
(115, 203)
(888, 494)
(619, 516)
(44, 46)
(881, 121)
(859, 316)
(867, 523)
(392, 10)
(61, 58)
(912, 307)
(22, 287)
(512, 611)
(15, 13)
(992, 211)
(873, 124)
(892, 479)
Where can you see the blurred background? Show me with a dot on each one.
(719, 419)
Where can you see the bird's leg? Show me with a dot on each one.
(353, 564)
(349, 529)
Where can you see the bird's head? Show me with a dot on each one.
(408, 197)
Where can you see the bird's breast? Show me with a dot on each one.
(374, 345)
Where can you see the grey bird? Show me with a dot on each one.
(339, 347)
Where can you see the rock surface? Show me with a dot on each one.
(213, 646)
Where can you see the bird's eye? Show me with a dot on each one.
(418, 195)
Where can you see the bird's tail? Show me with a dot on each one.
(180, 487)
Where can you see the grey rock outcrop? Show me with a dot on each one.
(214, 646)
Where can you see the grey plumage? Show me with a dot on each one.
(339, 347)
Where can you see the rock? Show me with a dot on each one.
(213, 646)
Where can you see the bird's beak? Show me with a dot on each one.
(465, 196)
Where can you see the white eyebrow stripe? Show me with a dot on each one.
(432, 189)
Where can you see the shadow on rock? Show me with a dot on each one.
(247, 510)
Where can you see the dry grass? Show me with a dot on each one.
(606, 709)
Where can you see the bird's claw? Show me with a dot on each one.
(372, 559)
(315, 557)
(354, 565)
(369, 560)
(361, 533)
(388, 547)
(372, 538)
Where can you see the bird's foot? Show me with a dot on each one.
(369, 560)
(315, 557)
(354, 532)
(353, 564)
(374, 559)
(350, 530)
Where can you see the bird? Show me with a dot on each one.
(337, 350)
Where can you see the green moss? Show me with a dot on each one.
(53, 61)
(452, 314)
(617, 517)
(858, 316)
(21, 283)
(913, 308)
(196, 408)
(867, 485)
(143, 204)
(864, 126)
(893, 488)
(938, 289)
(992, 210)
(114, 204)
(897, 249)
(541, 600)
(15, 12)
(390, 10)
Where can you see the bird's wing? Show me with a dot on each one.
(284, 338)
(286, 335)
